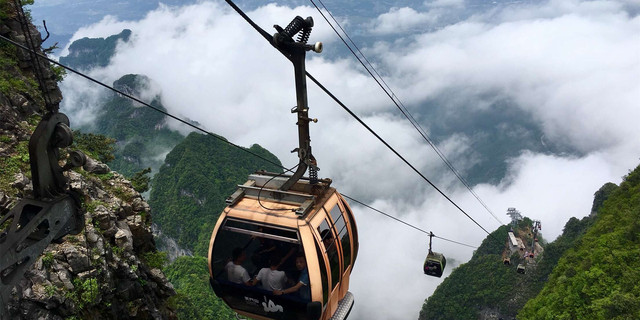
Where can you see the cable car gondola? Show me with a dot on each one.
(435, 262)
(521, 268)
(285, 245)
(311, 222)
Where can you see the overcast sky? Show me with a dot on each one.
(573, 65)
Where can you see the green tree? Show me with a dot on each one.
(140, 180)
(97, 146)
(190, 188)
(601, 195)
(195, 299)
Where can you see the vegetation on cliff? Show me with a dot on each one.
(198, 175)
(87, 53)
(100, 272)
(486, 284)
(578, 276)
(141, 134)
(195, 299)
(599, 278)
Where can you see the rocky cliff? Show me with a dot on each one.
(111, 268)
(599, 277)
(486, 289)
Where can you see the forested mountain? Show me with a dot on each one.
(578, 276)
(187, 197)
(190, 188)
(87, 53)
(599, 278)
(142, 136)
(486, 288)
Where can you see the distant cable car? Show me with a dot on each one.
(264, 228)
(521, 268)
(435, 262)
(506, 261)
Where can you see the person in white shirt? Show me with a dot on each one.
(271, 278)
(236, 273)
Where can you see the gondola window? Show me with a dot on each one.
(329, 242)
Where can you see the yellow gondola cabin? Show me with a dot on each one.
(273, 229)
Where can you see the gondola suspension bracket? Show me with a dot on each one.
(295, 51)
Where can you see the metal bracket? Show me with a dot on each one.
(295, 51)
(30, 226)
(294, 198)
(28, 229)
(237, 196)
(51, 134)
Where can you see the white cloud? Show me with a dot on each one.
(444, 3)
(81, 99)
(577, 74)
(401, 20)
(574, 66)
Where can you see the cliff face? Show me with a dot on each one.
(111, 268)
(142, 134)
(88, 53)
(484, 288)
(599, 278)
(578, 276)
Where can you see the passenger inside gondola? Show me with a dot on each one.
(252, 248)
(274, 260)
(327, 238)
(301, 288)
(271, 278)
(236, 273)
(287, 261)
(432, 267)
(266, 247)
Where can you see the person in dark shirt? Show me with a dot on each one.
(302, 287)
